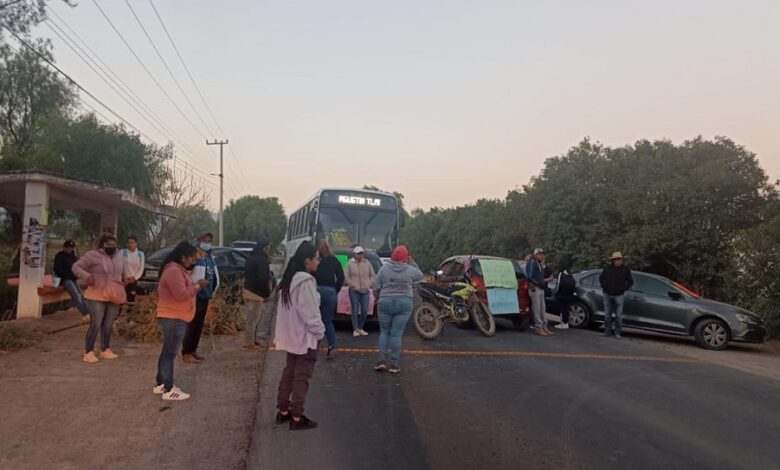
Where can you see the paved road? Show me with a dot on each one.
(575, 401)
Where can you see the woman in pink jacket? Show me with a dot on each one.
(175, 309)
(299, 327)
(101, 270)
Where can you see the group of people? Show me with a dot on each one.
(615, 280)
(308, 296)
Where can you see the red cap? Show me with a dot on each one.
(400, 254)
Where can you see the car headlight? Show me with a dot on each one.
(748, 319)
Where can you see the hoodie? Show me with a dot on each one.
(176, 293)
(107, 273)
(299, 326)
(395, 279)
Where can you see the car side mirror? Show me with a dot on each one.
(675, 295)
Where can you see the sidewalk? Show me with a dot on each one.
(60, 413)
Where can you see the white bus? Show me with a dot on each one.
(346, 218)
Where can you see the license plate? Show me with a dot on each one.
(152, 274)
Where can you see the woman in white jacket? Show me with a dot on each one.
(299, 328)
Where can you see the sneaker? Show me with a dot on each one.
(189, 358)
(86, 318)
(617, 336)
(90, 357)
(302, 424)
(280, 418)
(380, 367)
(158, 389)
(562, 326)
(108, 354)
(175, 394)
(394, 369)
(363, 332)
(331, 353)
(356, 333)
(541, 332)
(549, 333)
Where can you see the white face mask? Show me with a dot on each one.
(205, 246)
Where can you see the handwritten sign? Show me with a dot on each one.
(502, 301)
(498, 273)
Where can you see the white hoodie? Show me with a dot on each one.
(299, 326)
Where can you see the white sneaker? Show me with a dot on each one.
(356, 333)
(562, 326)
(158, 389)
(363, 332)
(175, 394)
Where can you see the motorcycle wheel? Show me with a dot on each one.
(482, 319)
(427, 321)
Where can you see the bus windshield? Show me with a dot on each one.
(345, 227)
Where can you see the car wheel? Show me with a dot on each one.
(579, 315)
(712, 333)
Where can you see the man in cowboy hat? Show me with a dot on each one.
(615, 280)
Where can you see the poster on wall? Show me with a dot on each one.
(34, 244)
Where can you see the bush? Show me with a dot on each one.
(12, 338)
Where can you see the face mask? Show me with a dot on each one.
(110, 250)
(191, 267)
(205, 246)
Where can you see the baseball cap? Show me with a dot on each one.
(203, 235)
(69, 244)
(358, 249)
(263, 242)
(538, 250)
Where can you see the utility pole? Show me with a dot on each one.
(221, 175)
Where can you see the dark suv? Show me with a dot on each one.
(230, 264)
(658, 304)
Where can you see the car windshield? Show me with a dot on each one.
(159, 255)
(345, 227)
(243, 244)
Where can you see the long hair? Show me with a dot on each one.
(296, 264)
(104, 238)
(324, 248)
(182, 250)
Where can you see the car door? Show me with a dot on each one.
(225, 264)
(650, 305)
(589, 291)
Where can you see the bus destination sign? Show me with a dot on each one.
(359, 200)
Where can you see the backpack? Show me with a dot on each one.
(566, 285)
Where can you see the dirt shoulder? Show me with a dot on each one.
(60, 413)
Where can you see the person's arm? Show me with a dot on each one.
(216, 275)
(178, 285)
(629, 279)
(308, 307)
(339, 276)
(81, 268)
(59, 265)
(377, 284)
(603, 279)
(416, 272)
(139, 271)
(264, 278)
(371, 273)
(348, 274)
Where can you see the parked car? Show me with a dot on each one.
(656, 303)
(230, 263)
(456, 266)
(243, 246)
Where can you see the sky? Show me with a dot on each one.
(445, 101)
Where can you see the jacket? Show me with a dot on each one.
(206, 268)
(616, 281)
(176, 293)
(566, 288)
(257, 274)
(107, 273)
(329, 273)
(133, 263)
(63, 265)
(299, 325)
(535, 273)
(395, 279)
(360, 276)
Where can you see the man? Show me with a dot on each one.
(133, 267)
(205, 268)
(524, 263)
(615, 280)
(63, 265)
(360, 279)
(257, 288)
(536, 289)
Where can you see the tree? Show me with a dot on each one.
(251, 217)
(20, 15)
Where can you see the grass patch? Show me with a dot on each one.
(12, 338)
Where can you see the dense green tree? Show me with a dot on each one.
(251, 217)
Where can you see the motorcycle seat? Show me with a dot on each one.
(442, 290)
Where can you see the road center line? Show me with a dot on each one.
(607, 357)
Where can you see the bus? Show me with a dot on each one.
(347, 218)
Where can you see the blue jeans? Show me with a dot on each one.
(102, 321)
(173, 334)
(75, 294)
(613, 304)
(359, 304)
(394, 314)
(329, 299)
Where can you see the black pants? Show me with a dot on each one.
(131, 290)
(295, 382)
(195, 327)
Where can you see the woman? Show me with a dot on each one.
(393, 288)
(101, 271)
(175, 309)
(330, 279)
(565, 295)
(360, 278)
(298, 329)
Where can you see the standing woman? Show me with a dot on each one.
(101, 270)
(393, 288)
(175, 309)
(330, 279)
(298, 329)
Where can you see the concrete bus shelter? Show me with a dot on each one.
(35, 195)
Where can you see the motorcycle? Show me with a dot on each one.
(456, 303)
